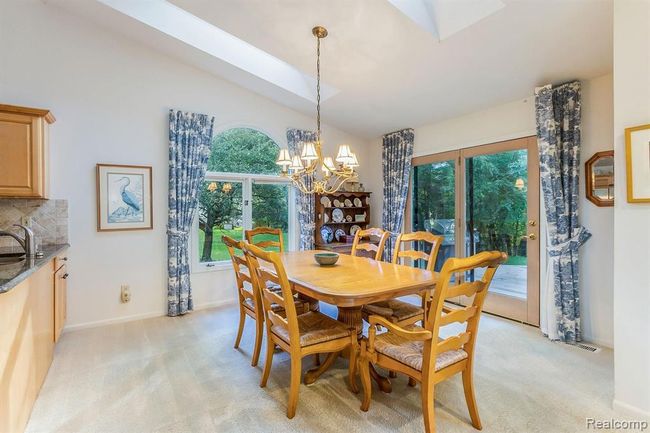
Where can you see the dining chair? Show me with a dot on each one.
(420, 352)
(270, 245)
(369, 249)
(250, 303)
(299, 335)
(400, 312)
(266, 243)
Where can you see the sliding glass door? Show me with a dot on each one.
(434, 203)
(486, 198)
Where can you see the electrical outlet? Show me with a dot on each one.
(26, 220)
(125, 293)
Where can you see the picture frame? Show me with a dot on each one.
(599, 178)
(637, 155)
(124, 197)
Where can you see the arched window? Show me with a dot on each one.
(242, 190)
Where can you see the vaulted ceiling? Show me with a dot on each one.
(384, 67)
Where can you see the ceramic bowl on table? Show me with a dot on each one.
(326, 259)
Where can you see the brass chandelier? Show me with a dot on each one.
(309, 171)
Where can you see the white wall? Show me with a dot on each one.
(111, 99)
(631, 221)
(517, 119)
(597, 255)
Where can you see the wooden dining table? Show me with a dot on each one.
(349, 285)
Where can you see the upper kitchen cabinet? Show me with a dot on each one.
(24, 151)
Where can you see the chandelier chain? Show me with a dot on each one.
(318, 90)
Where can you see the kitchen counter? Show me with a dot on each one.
(13, 273)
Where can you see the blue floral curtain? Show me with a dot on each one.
(304, 202)
(557, 112)
(189, 148)
(396, 156)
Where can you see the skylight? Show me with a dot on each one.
(190, 29)
(443, 18)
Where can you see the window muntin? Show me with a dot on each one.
(251, 194)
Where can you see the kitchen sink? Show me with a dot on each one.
(8, 258)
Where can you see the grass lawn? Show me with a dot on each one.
(219, 250)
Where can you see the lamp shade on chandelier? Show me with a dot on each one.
(309, 171)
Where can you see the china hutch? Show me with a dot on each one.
(338, 216)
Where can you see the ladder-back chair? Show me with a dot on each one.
(420, 353)
(400, 312)
(369, 249)
(266, 243)
(250, 303)
(298, 335)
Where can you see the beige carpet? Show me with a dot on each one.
(182, 375)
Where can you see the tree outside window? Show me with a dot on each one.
(227, 191)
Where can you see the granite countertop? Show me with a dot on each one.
(13, 273)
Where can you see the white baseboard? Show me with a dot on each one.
(629, 410)
(142, 316)
(215, 304)
(112, 321)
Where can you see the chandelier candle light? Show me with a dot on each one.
(326, 175)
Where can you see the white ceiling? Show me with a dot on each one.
(443, 18)
(389, 71)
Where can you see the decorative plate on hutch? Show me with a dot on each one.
(337, 215)
(327, 234)
(354, 229)
(325, 201)
(357, 202)
(339, 234)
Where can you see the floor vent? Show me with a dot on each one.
(589, 347)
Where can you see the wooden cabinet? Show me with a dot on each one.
(26, 346)
(60, 296)
(24, 151)
(351, 205)
(32, 315)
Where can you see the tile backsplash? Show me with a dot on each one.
(49, 220)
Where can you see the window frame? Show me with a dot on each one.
(247, 180)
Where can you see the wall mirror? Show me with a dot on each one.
(599, 171)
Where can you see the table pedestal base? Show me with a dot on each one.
(314, 373)
(352, 317)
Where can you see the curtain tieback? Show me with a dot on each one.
(181, 234)
(575, 241)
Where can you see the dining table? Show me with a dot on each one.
(350, 284)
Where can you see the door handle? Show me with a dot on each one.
(530, 236)
(65, 276)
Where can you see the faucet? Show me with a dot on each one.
(27, 243)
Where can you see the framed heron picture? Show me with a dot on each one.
(124, 197)
(637, 153)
